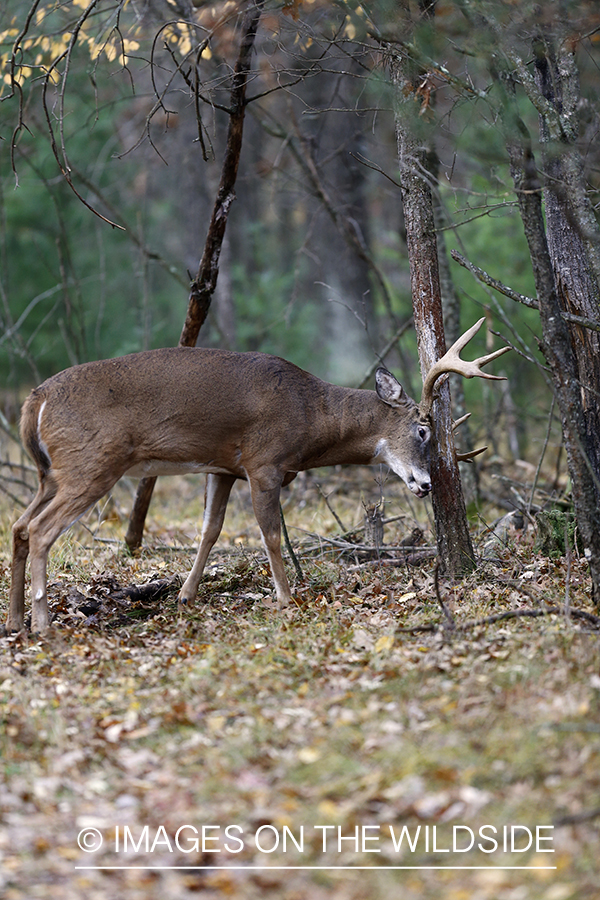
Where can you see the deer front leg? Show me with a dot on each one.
(216, 495)
(265, 502)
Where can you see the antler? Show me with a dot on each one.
(470, 455)
(451, 362)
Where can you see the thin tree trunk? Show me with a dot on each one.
(566, 207)
(565, 259)
(453, 539)
(558, 350)
(451, 312)
(203, 287)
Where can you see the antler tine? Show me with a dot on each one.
(470, 455)
(458, 422)
(451, 362)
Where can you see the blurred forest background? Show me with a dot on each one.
(130, 100)
(314, 264)
(373, 699)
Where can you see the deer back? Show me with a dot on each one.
(194, 409)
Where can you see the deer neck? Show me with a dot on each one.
(352, 429)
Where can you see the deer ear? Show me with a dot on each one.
(391, 391)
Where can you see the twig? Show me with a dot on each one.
(577, 818)
(301, 150)
(413, 556)
(568, 572)
(543, 453)
(450, 623)
(508, 614)
(153, 255)
(363, 548)
(289, 547)
(384, 352)
(483, 276)
(58, 147)
(21, 467)
(16, 500)
(330, 508)
(6, 427)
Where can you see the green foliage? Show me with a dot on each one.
(266, 318)
(557, 529)
(74, 287)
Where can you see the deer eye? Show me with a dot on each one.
(423, 433)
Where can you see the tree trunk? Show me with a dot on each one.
(453, 539)
(567, 209)
(558, 350)
(572, 250)
(204, 285)
(451, 313)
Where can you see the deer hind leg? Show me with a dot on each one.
(216, 495)
(20, 552)
(265, 502)
(72, 498)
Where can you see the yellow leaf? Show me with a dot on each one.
(350, 31)
(385, 642)
(329, 810)
(185, 45)
(308, 755)
(215, 723)
(95, 49)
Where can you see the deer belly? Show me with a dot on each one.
(151, 467)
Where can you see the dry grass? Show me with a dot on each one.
(326, 714)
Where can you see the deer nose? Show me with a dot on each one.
(422, 485)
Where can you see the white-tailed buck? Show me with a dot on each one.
(231, 415)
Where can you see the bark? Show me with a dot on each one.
(567, 210)
(454, 542)
(203, 286)
(451, 313)
(558, 350)
(572, 236)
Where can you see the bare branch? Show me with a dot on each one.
(484, 278)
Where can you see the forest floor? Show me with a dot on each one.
(375, 740)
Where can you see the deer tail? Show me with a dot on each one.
(31, 421)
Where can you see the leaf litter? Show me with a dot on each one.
(386, 698)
